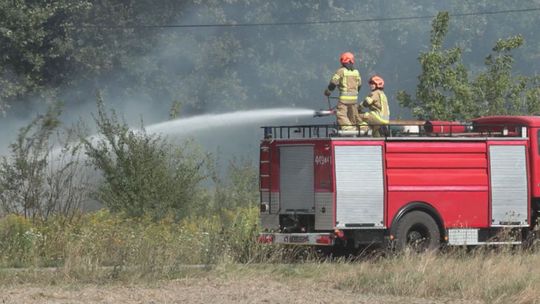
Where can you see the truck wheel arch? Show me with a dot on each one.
(418, 206)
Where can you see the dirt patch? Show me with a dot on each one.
(206, 290)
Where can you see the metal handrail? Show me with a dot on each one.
(400, 129)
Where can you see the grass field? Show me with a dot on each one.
(200, 259)
(453, 277)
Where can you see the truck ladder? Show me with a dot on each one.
(265, 181)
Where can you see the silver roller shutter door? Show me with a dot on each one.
(296, 179)
(508, 168)
(359, 186)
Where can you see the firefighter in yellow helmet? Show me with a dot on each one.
(378, 113)
(347, 79)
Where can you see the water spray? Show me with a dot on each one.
(186, 126)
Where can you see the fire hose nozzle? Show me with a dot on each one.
(322, 113)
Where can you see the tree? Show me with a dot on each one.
(36, 47)
(69, 47)
(497, 90)
(444, 91)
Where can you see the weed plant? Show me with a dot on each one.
(104, 239)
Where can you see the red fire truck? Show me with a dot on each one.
(418, 186)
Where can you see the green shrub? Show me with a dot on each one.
(143, 174)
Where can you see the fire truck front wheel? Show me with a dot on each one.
(417, 231)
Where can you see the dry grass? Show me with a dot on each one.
(106, 249)
(490, 277)
(210, 289)
(484, 276)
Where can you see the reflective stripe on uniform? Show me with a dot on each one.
(354, 73)
(383, 119)
(368, 100)
(349, 98)
(345, 83)
(385, 111)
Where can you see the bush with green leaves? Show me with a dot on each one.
(143, 174)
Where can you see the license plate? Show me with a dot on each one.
(298, 239)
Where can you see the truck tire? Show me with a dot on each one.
(418, 232)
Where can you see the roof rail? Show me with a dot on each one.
(399, 129)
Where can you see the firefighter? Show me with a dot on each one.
(378, 113)
(347, 79)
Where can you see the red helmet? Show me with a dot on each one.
(346, 57)
(377, 81)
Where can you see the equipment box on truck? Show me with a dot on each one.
(444, 182)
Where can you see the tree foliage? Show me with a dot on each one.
(47, 47)
(38, 52)
(443, 88)
(445, 91)
(498, 90)
(68, 49)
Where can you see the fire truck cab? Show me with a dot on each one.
(419, 186)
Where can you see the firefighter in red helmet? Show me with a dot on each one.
(347, 79)
(378, 112)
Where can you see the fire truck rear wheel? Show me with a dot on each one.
(418, 232)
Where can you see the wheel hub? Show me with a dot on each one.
(417, 239)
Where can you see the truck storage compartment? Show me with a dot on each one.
(296, 184)
(359, 186)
